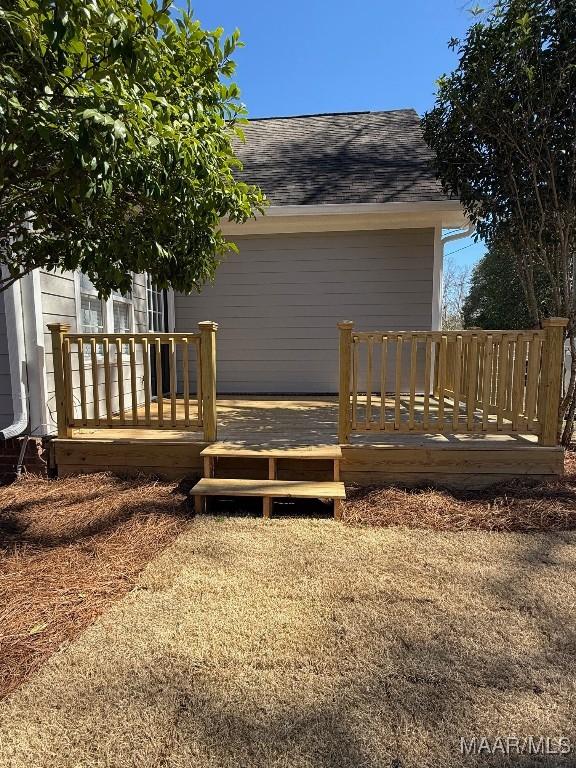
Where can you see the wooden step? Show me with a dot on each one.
(268, 490)
(319, 452)
(298, 489)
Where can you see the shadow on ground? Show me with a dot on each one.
(305, 643)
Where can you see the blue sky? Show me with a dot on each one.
(302, 57)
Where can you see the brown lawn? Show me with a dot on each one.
(294, 642)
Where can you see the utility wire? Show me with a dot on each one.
(460, 249)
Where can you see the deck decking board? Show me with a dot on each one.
(297, 429)
(278, 422)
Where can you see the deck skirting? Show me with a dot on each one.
(455, 466)
(170, 460)
(469, 467)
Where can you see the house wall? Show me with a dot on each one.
(278, 302)
(6, 410)
(59, 305)
(34, 458)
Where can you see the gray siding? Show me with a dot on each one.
(278, 301)
(6, 412)
(59, 306)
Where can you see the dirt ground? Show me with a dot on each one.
(299, 643)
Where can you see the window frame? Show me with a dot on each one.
(107, 308)
(156, 298)
(119, 299)
(92, 293)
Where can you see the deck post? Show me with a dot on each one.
(551, 380)
(58, 331)
(344, 425)
(208, 372)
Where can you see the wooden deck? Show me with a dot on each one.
(282, 423)
(456, 408)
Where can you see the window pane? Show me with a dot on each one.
(91, 318)
(156, 305)
(86, 285)
(121, 317)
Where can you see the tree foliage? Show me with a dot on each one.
(116, 126)
(496, 299)
(504, 132)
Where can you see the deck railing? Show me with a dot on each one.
(148, 380)
(474, 381)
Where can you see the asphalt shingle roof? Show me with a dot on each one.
(354, 157)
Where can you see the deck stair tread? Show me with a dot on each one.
(223, 449)
(301, 489)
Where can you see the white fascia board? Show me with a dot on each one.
(434, 206)
(341, 217)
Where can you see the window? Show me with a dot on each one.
(121, 312)
(91, 318)
(97, 316)
(91, 309)
(157, 318)
(92, 315)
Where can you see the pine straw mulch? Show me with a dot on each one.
(522, 506)
(68, 549)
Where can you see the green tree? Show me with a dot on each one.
(496, 299)
(116, 126)
(503, 131)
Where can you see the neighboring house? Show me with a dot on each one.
(354, 231)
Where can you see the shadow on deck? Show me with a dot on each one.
(284, 421)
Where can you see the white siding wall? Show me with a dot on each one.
(279, 300)
(59, 306)
(6, 412)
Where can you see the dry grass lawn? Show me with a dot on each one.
(311, 644)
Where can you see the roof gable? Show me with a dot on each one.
(354, 157)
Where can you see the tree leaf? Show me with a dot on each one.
(146, 9)
(119, 129)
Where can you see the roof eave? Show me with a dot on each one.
(447, 214)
